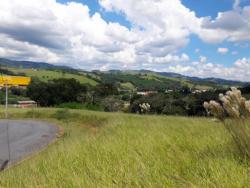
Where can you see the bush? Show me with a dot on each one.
(234, 113)
(56, 91)
(112, 104)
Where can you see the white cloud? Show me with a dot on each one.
(236, 4)
(239, 71)
(222, 50)
(67, 33)
(203, 59)
(231, 26)
(46, 30)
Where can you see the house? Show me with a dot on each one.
(145, 93)
(199, 91)
(26, 104)
(169, 91)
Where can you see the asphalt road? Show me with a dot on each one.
(25, 137)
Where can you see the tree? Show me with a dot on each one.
(106, 89)
(55, 91)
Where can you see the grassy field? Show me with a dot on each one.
(120, 150)
(46, 75)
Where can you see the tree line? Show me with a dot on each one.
(109, 97)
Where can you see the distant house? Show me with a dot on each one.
(145, 93)
(26, 104)
(169, 91)
(199, 91)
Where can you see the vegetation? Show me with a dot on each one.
(120, 150)
(237, 108)
(171, 94)
(45, 75)
(143, 82)
(75, 105)
(112, 97)
(56, 91)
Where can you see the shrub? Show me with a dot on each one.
(234, 113)
(112, 104)
(64, 114)
(144, 108)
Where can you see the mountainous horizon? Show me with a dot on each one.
(43, 65)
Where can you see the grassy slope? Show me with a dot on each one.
(46, 75)
(118, 150)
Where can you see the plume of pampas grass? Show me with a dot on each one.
(234, 113)
(145, 108)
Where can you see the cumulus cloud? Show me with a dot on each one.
(46, 30)
(233, 26)
(68, 33)
(236, 4)
(239, 71)
(222, 50)
(203, 59)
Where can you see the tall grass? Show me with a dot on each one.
(234, 114)
(120, 150)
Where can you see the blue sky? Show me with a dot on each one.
(197, 38)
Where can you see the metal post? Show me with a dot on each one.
(6, 117)
(6, 100)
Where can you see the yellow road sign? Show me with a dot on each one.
(15, 80)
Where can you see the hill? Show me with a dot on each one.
(49, 74)
(29, 64)
(208, 81)
(126, 80)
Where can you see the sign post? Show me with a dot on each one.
(6, 100)
(7, 81)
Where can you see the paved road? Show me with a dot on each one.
(25, 138)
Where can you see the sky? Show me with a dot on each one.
(195, 38)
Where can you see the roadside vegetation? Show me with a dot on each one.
(234, 113)
(101, 149)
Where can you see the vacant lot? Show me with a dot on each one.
(120, 150)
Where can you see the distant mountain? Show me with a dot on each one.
(204, 80)
(29, 64)
(195, 80)
(139, 78)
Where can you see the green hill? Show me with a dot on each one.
(46, 75)
(133, 79)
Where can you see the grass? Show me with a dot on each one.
(120, 150)
(128, 86)
(80, 106)
(46, 75)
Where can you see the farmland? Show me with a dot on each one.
(46, 75)
(120, 150)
